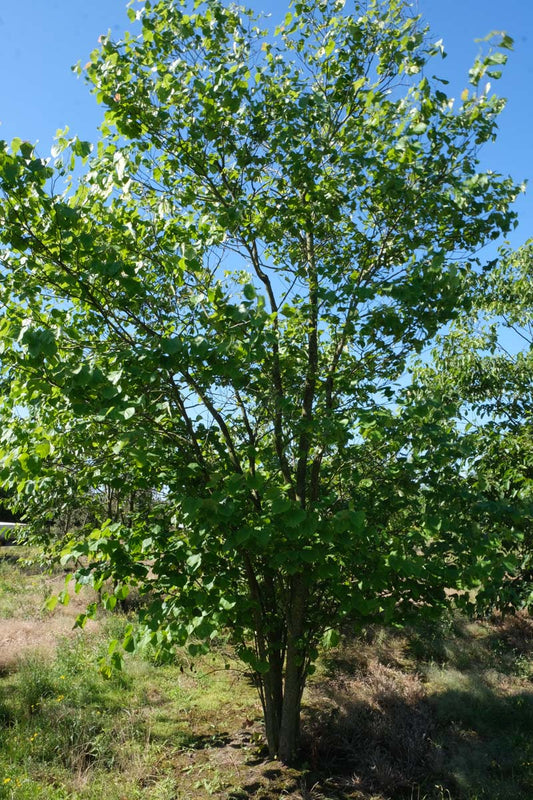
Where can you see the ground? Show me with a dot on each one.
(440, 712)
(25, 624)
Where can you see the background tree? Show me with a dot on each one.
(484, 366)
(220, 308)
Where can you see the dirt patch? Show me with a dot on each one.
(33, 628)
(18, 637)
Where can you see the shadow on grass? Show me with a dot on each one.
(387, 732)
(9, 558)
(464, 643)
(190, 741)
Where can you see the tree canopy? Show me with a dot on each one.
(218, 303)
(482, 366)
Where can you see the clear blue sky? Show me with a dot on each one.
(41, 39)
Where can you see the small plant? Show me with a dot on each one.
(523, 666)
(37, 681)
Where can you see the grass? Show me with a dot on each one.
(443, 712)
(68, 731)
(12, 590)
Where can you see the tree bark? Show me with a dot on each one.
(272, 684)
(294, 673)
(289, 734)
(281, 687)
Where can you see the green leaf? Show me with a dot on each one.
(51, 602)
(329, 48)
(171, 346)
(349, 521)
(42, 449)
(64, 597)
(294, 517)
(194, 561)
(120, 164)
(330, 639)
(80, 148)
(281, 505)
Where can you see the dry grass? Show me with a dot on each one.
(443, 712)
(25, 623)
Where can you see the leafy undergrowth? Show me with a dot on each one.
(439, 713)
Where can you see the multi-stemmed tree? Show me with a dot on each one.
(218, 302)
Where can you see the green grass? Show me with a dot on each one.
(442, 712)
(67, 731)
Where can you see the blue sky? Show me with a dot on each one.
(41, 39)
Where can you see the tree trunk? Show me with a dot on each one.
(290, 718)
(281, 701)
(283, 684)
(272, 684)
(279, 643)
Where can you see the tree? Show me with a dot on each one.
(220, 306)
(483, 366)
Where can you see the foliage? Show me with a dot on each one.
(219, 307)
(6, 515)
(484, 366)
